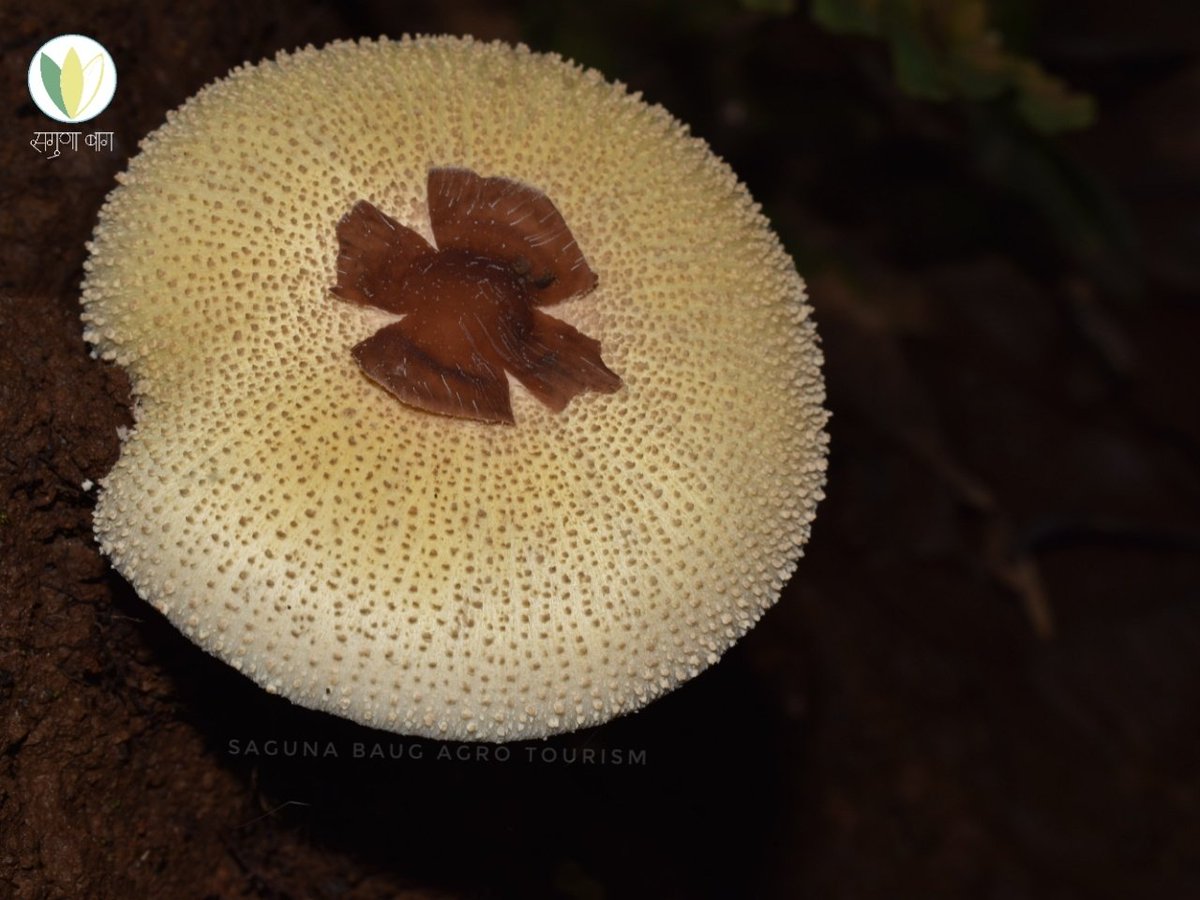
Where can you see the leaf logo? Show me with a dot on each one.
(65, 87)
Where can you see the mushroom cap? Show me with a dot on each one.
(417, 573)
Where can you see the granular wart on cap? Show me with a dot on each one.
(417, 572)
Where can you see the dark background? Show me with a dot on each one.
(984, 680)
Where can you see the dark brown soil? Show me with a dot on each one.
(984, 681)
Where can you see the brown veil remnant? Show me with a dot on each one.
(470, 305)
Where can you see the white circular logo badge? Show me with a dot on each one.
(72, 78)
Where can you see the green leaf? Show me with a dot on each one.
(919, 71)
(848, 16)
(52, 81)
(1049, 106)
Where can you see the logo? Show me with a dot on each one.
(72, 78)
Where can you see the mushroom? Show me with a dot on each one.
(422, 572)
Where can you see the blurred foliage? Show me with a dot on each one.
(774, 7)
(1082, 213)
(954, 50)
(946, 49)
(737, 70)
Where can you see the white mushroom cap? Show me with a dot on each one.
(413, 572)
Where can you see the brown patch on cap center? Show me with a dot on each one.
(470, 305)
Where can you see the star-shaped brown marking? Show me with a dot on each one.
(470, 306)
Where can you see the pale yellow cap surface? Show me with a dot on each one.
(423, 574)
